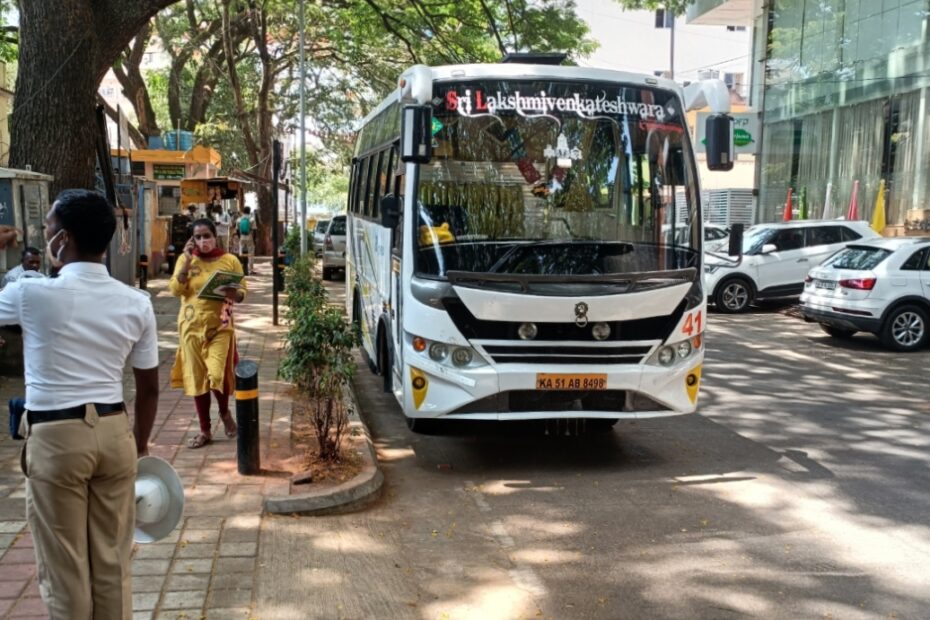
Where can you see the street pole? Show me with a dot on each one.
(275, 171)
(303, 140)
(672, 47)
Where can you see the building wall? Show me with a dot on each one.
(845, 101)
(630, 41)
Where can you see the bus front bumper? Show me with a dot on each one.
(509, 392)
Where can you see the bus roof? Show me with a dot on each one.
(516, 71)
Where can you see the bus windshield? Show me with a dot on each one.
(556, 178)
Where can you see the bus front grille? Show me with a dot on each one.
(549, 353)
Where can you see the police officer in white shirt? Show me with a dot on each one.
(79, 329)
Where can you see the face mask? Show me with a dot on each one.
(206, 245)
(54, 259)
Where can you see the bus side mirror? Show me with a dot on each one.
(719, 136)
(416, 134)
(390, 211)
(736, 240)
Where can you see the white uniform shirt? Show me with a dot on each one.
(78, 331)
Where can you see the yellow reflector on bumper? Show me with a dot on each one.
(693, 383)
(420, 385)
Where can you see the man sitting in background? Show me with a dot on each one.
(28, 267)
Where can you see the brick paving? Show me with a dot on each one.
(207, 567)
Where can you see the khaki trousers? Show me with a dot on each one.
(80, 505)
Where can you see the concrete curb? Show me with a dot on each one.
(351, 495)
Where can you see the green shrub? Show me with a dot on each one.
(318, 356)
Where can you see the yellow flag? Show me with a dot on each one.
(878, 214)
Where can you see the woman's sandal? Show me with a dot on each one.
(229, 425)
(199, 441)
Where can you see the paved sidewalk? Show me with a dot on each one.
(208, 566)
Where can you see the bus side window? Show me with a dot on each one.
(361, 186)
(371, 181)
(353, 187)
(377, 189)
(397, 238)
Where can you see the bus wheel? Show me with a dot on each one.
(600, 425)
(384, 365)
(422, 426)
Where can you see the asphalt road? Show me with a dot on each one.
(800, 490)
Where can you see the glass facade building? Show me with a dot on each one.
(844, 99)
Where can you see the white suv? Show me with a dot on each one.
(776, 259)
(880, 286)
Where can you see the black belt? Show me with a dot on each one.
(73, 413)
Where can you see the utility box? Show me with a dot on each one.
(24, 203)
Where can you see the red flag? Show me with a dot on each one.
(788, 206)
(853, 212)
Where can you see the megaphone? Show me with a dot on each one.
(159, 500)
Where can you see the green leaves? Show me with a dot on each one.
(318, 357)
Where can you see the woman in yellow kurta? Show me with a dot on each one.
(207, 346)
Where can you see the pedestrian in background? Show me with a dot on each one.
(207, 345)
(79, 330)
(245, 226)
(29, 266)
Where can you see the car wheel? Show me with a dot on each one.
(838, 332)
(733, 295)
(327, 273)
(905, 329)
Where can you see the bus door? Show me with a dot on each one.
(396, 297)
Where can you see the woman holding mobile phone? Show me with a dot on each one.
(207, 345)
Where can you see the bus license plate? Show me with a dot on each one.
(550, 381)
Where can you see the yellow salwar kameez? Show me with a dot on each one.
(207, 344)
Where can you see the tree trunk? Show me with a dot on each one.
(66, 47)
(129, 74)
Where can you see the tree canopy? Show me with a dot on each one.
(232, 74)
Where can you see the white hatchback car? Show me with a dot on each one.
(880, 286)
(776, 259)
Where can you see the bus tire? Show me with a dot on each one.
(600, 425)
(422, 426)
(385, 368)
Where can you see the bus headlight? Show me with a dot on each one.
(462, 356)
(666, 355)
(438, 351)
(445, 353)
(675, 352)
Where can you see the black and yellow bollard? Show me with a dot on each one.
(143, 271)
(247, 440)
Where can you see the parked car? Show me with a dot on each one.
(880, 286)
(716, 237)
(319, 233)
(334, 247)
(776, 259)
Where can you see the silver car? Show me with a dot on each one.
(334, 247)
(319, 233)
